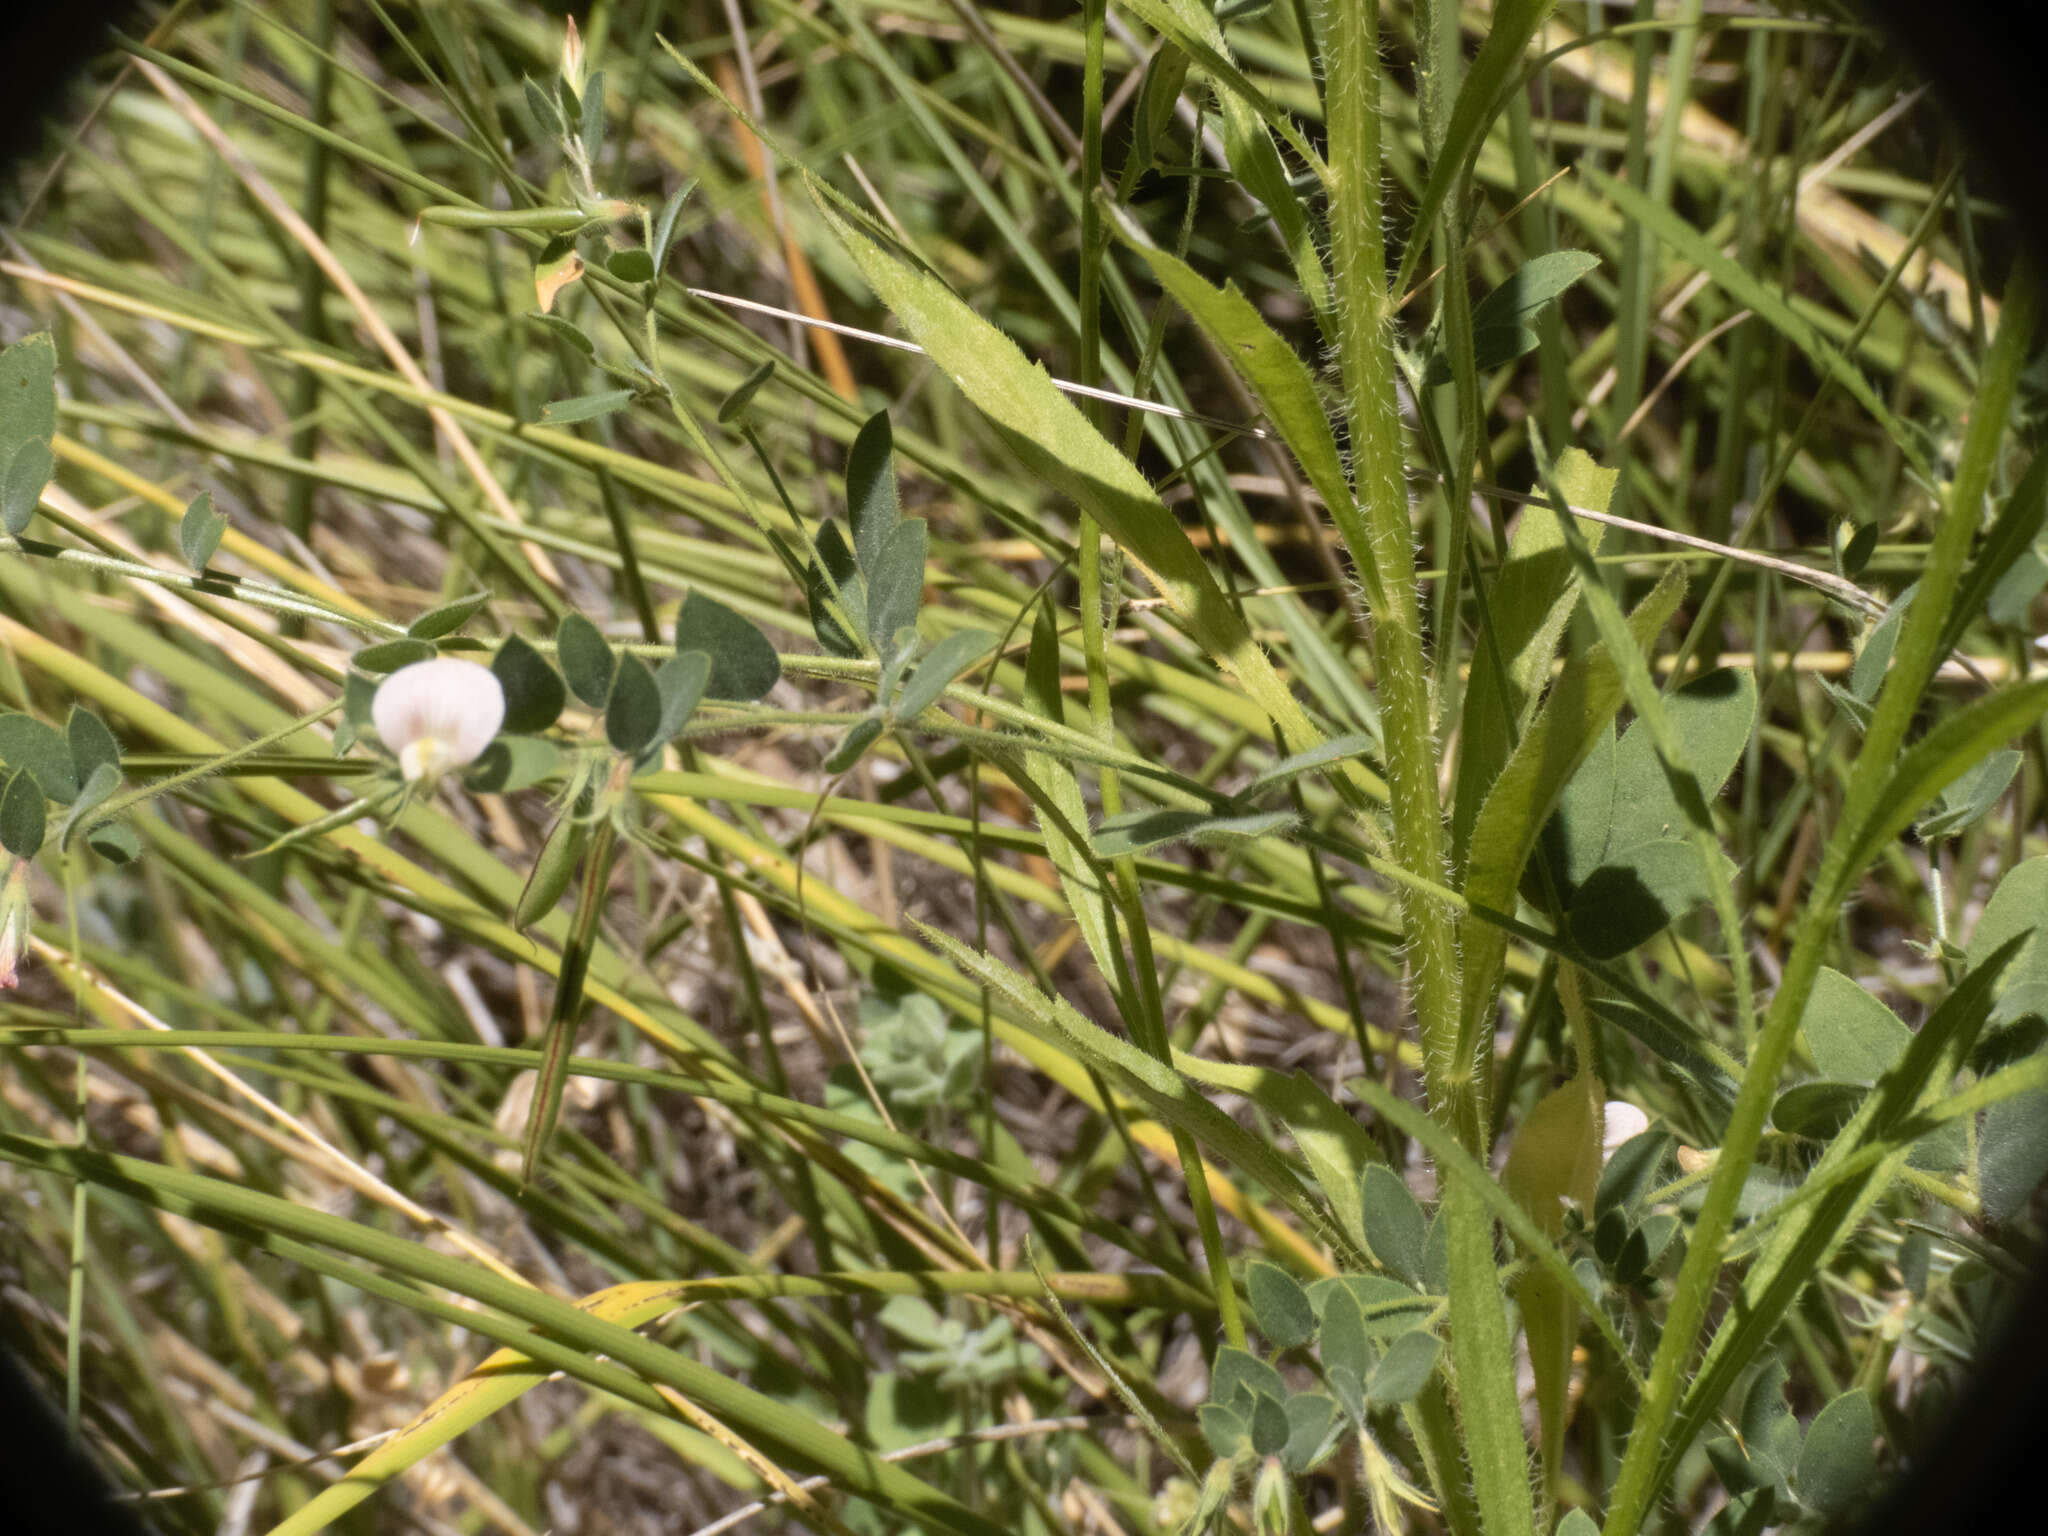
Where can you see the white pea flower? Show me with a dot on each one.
(438, 715)
(1624, 1123)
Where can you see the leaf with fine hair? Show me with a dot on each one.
(744, 665)
(1055, 440)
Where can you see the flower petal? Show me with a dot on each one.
(457, 705)
(1624, 1123)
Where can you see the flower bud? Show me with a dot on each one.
(572, 58)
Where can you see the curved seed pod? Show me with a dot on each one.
(551, 873)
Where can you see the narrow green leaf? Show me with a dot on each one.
(1634, 1169)
(1269, 1426)
(1344, 1337)
(941, 666)
(2001, 561)
(547, 116)
(872, 508)
(562, 330)
(665, 224)
(1332, 752)
(1386, 1308)
(114, 841)
(551, 872)
(445, 620)
(1817, 1109)
(1970, 798)
(22, 480)
(1135, 831)
(1943, 755)
(853, 746)
(1285, 388)
(390, 656)
(560, 413)
(734, 405)
(844, 591)
(1166, 74)
(680, 681)
(896, 585)
(591, 127)
(1856, 553)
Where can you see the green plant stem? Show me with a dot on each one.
(563, 1017)
(1915, 659)
(1482, 1352)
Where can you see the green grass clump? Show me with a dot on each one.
(1154, 736)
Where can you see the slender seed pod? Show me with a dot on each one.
(551, 873)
